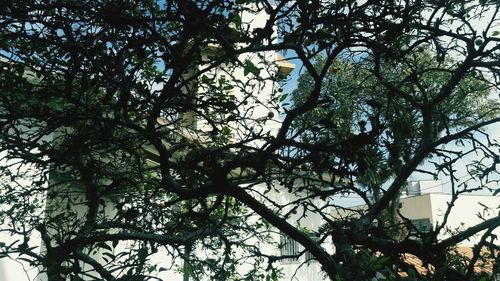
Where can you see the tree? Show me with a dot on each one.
(371, 130)
(147, 126)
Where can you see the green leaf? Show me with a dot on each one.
(226, 131)
(205, 79)
(283, 97)
(251, 68)
(152, 268)
(237, 20)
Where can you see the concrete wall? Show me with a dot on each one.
(417, 207)
(12, 269)
(464, 213)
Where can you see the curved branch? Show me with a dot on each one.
(329, 265)
(469, 232)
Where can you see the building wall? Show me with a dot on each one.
(464, 213)
(11, 270)
(417, 207)
(300, 269)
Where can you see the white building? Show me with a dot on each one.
(302, 268)
(426, 205)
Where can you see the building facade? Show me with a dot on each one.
(426, 205)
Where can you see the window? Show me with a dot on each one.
(309, 257)
(420, 225)
(288, 247)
